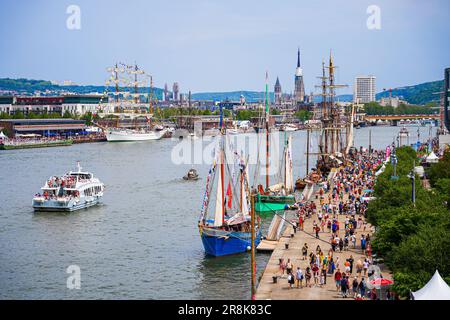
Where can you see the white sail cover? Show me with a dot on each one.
(289, 179)
(435, 289)
(432, 158)
(218, 214)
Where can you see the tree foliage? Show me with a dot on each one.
(414, 240)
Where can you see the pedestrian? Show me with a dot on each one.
(299, 276)
(315, 270)
(337, 279)
(289, 266)
(344, 287)
(365, 266)
(351, 260)
(355, 287)
(290, 279)
(308, 277)
(362, 287)
(305, 251)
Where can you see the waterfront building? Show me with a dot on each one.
(364, 90)
(75, 104)
(43, 127)
(277, 92)
(299, 87)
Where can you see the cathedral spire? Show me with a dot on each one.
(298, 58)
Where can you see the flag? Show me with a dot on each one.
(229, 195)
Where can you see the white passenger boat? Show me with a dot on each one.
(73, 191)
(116, 135)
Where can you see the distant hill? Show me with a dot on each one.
(250, 96)
(416, 94)
(30, 87)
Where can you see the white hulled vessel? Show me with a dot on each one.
(116, 135)
(73, 191)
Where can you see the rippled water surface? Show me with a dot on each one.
(141, 243)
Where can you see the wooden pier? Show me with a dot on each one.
(280, 290)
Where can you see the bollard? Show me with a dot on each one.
(274, 278)
(286, 245)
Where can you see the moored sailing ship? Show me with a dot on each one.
(229, 230)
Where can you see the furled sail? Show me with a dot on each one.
(289, 179)
(219, 214)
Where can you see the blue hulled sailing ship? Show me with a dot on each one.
(228, 230)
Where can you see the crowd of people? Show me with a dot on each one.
(338, 220)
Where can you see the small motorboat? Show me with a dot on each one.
(191, 175)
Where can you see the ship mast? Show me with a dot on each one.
(267, 130)
(222, 164)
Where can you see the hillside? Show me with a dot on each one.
(417, 94)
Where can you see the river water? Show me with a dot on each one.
(142, 242)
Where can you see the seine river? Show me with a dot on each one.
(141, 243)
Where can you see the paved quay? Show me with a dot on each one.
(280, 290)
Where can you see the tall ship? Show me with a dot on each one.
(275, 197)
(336, 131)
(128, 106)
(73, 191)
(227, 229)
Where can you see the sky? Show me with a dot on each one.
(228, 45)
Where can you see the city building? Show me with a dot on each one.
(299, 87)
(42, 127)
(364, 90)
(75, 104)
(391, 101)
(176, 91)
(277, 92)
(166, 92)
(447, 98)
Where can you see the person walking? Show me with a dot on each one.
(305, 251)
(351, 260)
(344, 287)
(362, 287)
(337, 279)
(355, 287)
(299, 276)
(308, 277)
(291, 280)
(289, 266)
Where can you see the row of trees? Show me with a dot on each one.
(413, 240)
(374, 108)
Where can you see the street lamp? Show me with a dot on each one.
(394, 161)
(412, 176)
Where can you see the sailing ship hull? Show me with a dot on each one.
(219, 243)
(122, 136)
(273, 203)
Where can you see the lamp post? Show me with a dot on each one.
(412, 176)
(394, 161)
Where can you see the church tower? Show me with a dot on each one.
(277, 92)
(299, 87)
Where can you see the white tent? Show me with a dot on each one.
(432, 158)
(435, 289)
(2, 135)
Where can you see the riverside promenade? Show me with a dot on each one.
(280, 290)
